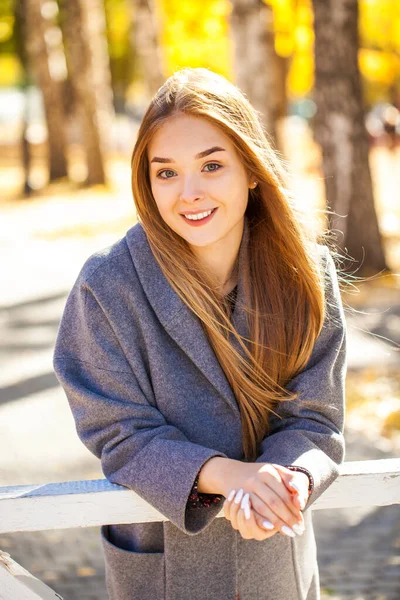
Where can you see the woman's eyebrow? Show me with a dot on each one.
(198, 156)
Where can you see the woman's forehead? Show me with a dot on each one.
(187, 134)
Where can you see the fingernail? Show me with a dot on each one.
(295, 486)
(298, 529)
(230, 497)
(287, 531)
(245, 506)
(238, 496)
(302, 504)
(267, 525)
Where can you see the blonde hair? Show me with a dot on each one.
(283, 280)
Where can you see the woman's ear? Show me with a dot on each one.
(253, 182)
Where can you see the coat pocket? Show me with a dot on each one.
(132, 575)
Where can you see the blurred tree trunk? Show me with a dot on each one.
(339, 128)
(38, 55)
(282, 63)
(20, 37)
(145, 41)
(257, 67)
(83, 25)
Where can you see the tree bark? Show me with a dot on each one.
(87, 55)
(38, 55)
(145, 40)
(258, 71)
(339, 128)
(20, 37)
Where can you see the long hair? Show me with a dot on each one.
(284, 283)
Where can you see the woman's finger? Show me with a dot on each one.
(276, 495)
(297, 483)
(244, 526)
(240, 518)
(270, 507)
(246, 522)
(234, 508)
(252, 528)
(271, 476)
(298, 500)
(227, 504)
(263, 522)
(299, 490)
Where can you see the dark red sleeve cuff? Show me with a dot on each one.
(198, 500)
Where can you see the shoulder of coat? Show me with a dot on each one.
(322, 251)
(319, 254)
(109, 262)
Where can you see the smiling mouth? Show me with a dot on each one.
(195, 216)
(199, 221)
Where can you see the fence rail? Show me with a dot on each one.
(96, 502)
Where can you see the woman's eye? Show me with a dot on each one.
(165, 171)
(213, 165)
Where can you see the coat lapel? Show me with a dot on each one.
(177, 318)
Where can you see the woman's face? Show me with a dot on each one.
(194, 168)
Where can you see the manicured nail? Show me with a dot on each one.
(302, 503)
(298, 529)
(295, 486)
(239, 496)
(267, 525)
(245, 506)
(287, 531)
(230, 497)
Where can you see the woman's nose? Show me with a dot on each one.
(191, 190)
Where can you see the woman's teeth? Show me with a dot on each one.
(199, 216)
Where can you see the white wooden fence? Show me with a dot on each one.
(97, 502)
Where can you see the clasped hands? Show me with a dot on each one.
(269, 500)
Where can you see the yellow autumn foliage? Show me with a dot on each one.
(197, 33)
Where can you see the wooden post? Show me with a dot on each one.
(16, 583)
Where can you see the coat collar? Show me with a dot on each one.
(178, 320)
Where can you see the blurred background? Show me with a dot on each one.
(75, 79)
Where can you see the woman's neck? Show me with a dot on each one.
(230, 285)
(221, 259)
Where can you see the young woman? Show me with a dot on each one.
(203, 356)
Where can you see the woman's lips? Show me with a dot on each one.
(198, 222)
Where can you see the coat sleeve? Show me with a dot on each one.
(311, 436)
(118, 422)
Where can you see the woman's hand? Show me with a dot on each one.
(245, 520)
(267, 490)
(297, 483)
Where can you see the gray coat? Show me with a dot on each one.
(150, 400)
